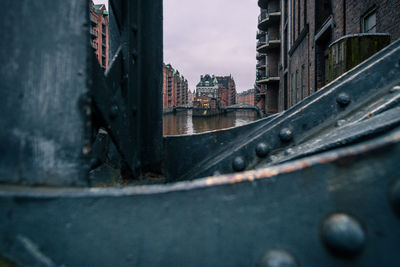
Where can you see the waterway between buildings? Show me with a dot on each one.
(182, 122)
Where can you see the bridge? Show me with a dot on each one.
(176, 108)
(243, 107)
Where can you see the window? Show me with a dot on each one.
(103, 28)
(302, 82)
(368, 23)
(292, 89)
(297, 86)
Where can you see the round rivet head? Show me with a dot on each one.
(262, 150)
(289, 152)
(341, 123)
(343, 99)
(238, 164)
(277, 258)
(343, 235)
(286, 135)
(395, 196)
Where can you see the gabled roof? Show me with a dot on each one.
(207, 80)
(224, 80)
(100, 9)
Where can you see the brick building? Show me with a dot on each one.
(175, 88)
(247, 97)
(190, 98)
(222, 88)
(99, 32)
(228, 83)
(300, 43)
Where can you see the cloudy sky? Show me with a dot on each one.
(211, 36)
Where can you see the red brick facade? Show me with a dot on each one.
(306, 31)
(247, 97)
(99, 33)
(227, 84)
(175, 88)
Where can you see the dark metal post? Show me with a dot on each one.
(44, 110)
(54, 96)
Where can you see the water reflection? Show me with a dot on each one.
(183, 123)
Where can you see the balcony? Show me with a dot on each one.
(267, 77)
(93, 32)
(267, 18)
(261, 65)
(267, 42)
(94, 45)
(93, 20)
(260, 56)
(259, 34)
(263, 3)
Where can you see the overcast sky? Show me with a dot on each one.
(211, 36)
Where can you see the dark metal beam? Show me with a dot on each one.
(334, 209)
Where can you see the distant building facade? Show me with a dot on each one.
(222, 88)
(228, 83)
(302, 43)
(99, 32)
(207, 86)
(175, 88)
(190, 98)
(247, 97)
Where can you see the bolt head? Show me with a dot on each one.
(343, 235)
(238, 164)
(278, 258)
(343, 99)
(341, 123)
(286, 135)
(289, 152)
(262, 150)
(395, 196)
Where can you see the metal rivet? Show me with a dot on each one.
(395, 196)
(343, 99)
(340, 123)
(289, 152)
(217, 173)
(278, 258)
(343, 235)
(262, 150)
(113, 112)
(286, 135)
(238, 164)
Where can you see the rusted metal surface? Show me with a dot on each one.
(230, 220)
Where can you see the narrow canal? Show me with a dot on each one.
(182, 122)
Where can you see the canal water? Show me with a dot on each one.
(182, 122)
